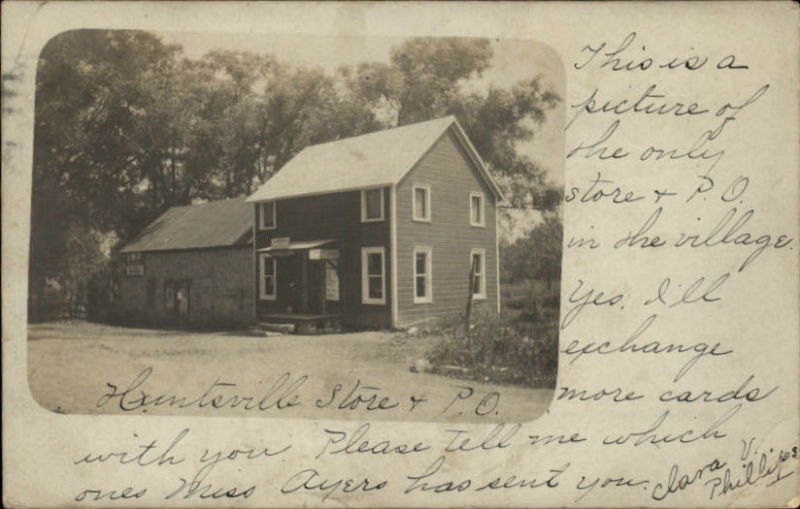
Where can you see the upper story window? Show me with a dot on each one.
(373, 280)
(371, 205)
(476, 209)
(423, 269)
(268, 220)
(478, 259)
(422, 202)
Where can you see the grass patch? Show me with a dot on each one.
(518, 346)
(500, 348)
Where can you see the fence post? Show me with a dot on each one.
(468, 310)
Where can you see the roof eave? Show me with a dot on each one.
(244, 245)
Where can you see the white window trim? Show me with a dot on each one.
(482, 294)
(427, 299)
(364, 218)
(427, 189)
(262, 293)
(365, 298)
(261, 209)
(482, 198)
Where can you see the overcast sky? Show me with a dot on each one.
(513, 60)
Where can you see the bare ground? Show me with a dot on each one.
(85, 368)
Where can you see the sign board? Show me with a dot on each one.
(280, 242)
(331, 283)
(323, 254)
(135, 270)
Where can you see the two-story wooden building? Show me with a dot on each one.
(378, 230)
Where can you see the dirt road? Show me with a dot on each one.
(89, 368)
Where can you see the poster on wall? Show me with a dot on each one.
(331, 283)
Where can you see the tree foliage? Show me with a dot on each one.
(536, 255)
(126, 126)
(428, 77)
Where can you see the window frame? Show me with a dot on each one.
(481, 295)
(427, 189)
(262, 275)
(364, 218)
(134, 264)
(365, 276)
(428, 251)
(261, 223)
(482, 198)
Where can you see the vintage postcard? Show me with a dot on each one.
(401, 254)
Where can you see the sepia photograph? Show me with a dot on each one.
(288, 226)
(400, 254)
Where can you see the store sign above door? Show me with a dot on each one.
(280, 243)
(323, 254)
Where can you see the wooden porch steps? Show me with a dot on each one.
(304, 324)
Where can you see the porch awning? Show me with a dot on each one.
(298, 246)
(313, 246)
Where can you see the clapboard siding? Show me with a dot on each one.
(332, 216)
(451, 175)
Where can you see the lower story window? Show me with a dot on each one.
(478, 260)
(268, 275)
(373, 280)
(423, 290)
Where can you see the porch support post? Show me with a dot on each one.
(323, 294)
(304, 281)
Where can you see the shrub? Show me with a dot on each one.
(498, 349)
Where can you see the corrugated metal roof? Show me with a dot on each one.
(213, 224)
(375, 159)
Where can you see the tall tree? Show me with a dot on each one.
(257, 113)
(90, 96)
(427, 78)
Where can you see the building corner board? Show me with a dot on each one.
(393, 253)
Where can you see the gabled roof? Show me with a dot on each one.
(214, 224)
(375, 159)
